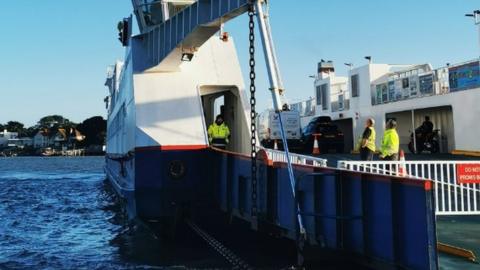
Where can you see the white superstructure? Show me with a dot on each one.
(175, 108)
(449, 95)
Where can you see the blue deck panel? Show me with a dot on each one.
(380, 219)
(353, 227)
(412, 239)
(371, 216)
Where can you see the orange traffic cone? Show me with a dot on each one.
(275, 146)
(316, 149)
(402, 170)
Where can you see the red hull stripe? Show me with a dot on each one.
(171, 147)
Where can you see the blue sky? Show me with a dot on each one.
(54, 53)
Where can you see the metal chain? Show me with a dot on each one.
(232, 258)
(253, 127)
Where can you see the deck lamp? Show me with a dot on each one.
(475, 15)
(187, 57)
(475, 12)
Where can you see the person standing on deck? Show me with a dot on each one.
(390, 142)
(367, 142)
(218, 133)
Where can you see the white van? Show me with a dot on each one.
(269, 129)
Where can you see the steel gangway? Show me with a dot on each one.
(452, 197)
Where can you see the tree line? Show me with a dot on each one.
(94, 128)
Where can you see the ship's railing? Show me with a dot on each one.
(305, 108)
(280, 156)
(452, 196)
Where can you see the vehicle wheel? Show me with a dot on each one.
(411, 148)
(435, 147)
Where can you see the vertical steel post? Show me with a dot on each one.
(276, 84)
(414, 134)
(476, 15)
(165, 11)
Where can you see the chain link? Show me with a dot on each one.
(253, 127)
(232, 258)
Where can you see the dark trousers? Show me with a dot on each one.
(391, 169)
(366, 154)
(393, 157)
(219, 143)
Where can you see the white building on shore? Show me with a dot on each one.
(449, 95)
(6, 136)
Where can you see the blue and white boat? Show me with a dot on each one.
(182, 70)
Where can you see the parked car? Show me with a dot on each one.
(269, 129)
(329, 136)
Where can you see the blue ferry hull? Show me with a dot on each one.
(379, 220)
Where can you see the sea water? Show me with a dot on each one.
(60, 213)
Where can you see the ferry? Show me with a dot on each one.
(407, 93)
(178, 73)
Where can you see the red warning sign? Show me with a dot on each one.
(468, 173)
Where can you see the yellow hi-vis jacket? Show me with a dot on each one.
(371, 140)
(390, 143)
(218, 132)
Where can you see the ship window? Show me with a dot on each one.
(354, 82)
(341, 100)
(391, 91)
(413, 88)
(324, 88)
(384, 93)
(378, 99)
(319, 95)
(426, 84)
(152, 12)
(405, 83)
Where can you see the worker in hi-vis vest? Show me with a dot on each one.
(390, 142)
(367, 142)
(218, 133)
